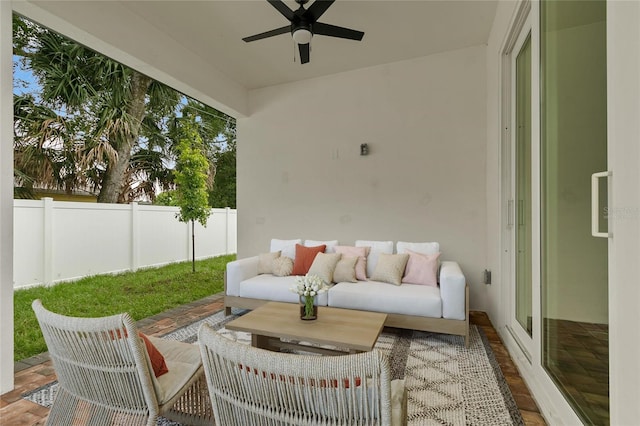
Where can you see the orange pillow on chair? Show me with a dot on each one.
(304, 258)
(158, 363)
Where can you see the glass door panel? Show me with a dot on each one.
(573, 147)
(523, 302)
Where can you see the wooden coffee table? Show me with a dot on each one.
(347, 330)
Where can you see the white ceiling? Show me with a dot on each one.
(394, 31)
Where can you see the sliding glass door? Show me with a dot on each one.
(521, 318)
(573, 146)
(556, 177)
(523, 243)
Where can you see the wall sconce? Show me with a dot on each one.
(364, 149)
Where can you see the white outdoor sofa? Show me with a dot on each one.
(441, 309)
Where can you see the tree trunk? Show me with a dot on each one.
(193, 245)
(123, 141)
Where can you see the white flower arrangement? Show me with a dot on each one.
(308, 287)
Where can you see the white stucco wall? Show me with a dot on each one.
(300, 173)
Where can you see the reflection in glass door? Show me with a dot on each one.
(523, 302)
(573, 147)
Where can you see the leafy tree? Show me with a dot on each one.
(36, 158)
(223, 193)
(96, 124)
(112, 99)
(166, 198)
(191, 173)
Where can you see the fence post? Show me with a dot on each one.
(47, 240)
(226, 230)
(135, 236)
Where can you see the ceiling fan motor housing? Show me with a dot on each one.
(304, 24)
(302, 31)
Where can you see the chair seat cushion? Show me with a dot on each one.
(183, 360)
(405, 299)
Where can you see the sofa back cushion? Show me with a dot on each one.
(286, 247)
(330, 244)
(377, 247)
(424, 248)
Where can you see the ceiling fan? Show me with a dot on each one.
(304, 25)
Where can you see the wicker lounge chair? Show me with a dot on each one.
(251, 386)
(105, 375)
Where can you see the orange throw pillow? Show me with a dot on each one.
(157, 360)
(304, 258)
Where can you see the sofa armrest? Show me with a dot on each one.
(238, 271)
(452, 291)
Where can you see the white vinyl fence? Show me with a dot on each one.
(61, 241)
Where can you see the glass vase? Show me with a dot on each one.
(308, 308)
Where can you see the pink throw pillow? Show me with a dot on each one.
(361, 253)
(421, 269)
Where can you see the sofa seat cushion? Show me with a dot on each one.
(407, 299)
(272, 288)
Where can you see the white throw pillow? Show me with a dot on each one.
(424, 248)
(323, 266)
(287, 247)
(390, 268)
(282, 266)
(315, 243)
(265, 262)
(377, 247)
(346, 270)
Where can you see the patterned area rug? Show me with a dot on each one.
(447, 384)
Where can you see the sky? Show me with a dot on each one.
(23, 77)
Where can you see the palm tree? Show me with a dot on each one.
(110, 100)
(41, 154)
(96, 124)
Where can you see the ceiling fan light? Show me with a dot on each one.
(302, 36)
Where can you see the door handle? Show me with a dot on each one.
(595, 205)
(510, 213)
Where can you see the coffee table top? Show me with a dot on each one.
(343, 328)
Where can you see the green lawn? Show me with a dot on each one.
(141, 294)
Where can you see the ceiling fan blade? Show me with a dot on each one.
(304, 53)
(266, 34)
(316, 10)
(335, 31)
(282, 8)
